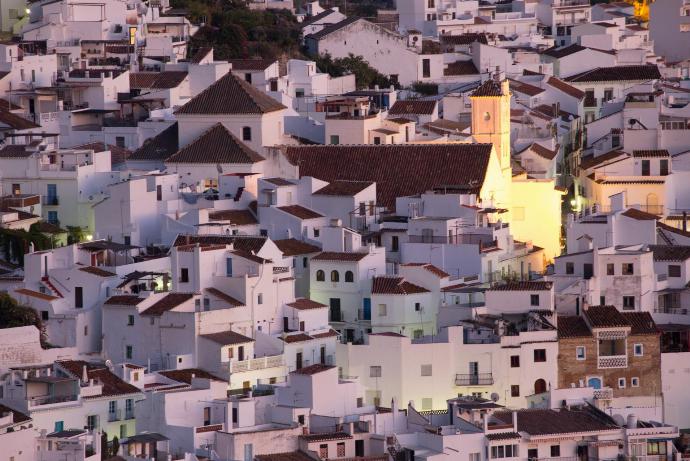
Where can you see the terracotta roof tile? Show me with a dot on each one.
(200, 54)
(429, 267)
(112, 385)
(563, 51)
(525, 88)
(300, 212)
(294, 247)
(573, 327)
(339, 256)
(36, 294)
(251, 64)
(533, 285)
(344, 188)
(605, 317)
(313, 369)
(618, 73)
(306, 304)
(565, 88)
(488, 88)
(543, 152)
(124, 300)
(157, 80)
(296, 338)
(97, 271)
(216, 145)
(463, 39)
(460, 68)
(651, 153)
(236, 217)
(641, 323)
(240, 242)
(185, 375)
(397, 170)
(639, 215)
(227, 338)
(326, 437)
(395, 286)
(288, 456)
(561, 421)
(168, 302)
(159, 147)
(231, 95)
(676, 253)
(413, 106)
(591, 162)
(503, 436)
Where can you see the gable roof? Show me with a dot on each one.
(344, 188)
(16, 122)
(641, 323)
(251, 64)
(112, 385)
(639, 215)
(543, 152)
(167, 303)
(216, 145)
(413, 106)
(237, 217)
(159, 147)
(563, 51)
(489, 88)
(224, 296)
(97, 271)
(591, 162)
(525, 88)
(440, 273)
(294, 247)
(156, 80)
(305, 304)
(185, 375)
(565, 88)
(332, 28)
(230, 95)
(395, 286)
(675, 253)
(617, 73)
(398, 170)
(573, 327)
(605, 317)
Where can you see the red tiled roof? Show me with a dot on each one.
(297, 338)
(651, 153)
(344, 188)
(573, 327)
(158, 80)
(543, 152)
(533, 285)
(306, 304)
(641, 323)
(525, 88)
(503, 436)
(159, 147)
(251, 64)
(300, 212)
(294, 247)
(560, 421)
(326, 437)
(563, 51)
(36, 294)
(429, 267)
(112, 385)
(617, 73)
(236, 217)
(605, 317)
(216, 145)
(185, 375)
(338, 256)
(398, 170)
(460, 68)
(463, 39)
(413, 106)
(124, 300)
(168, 302)
(390, 334)
(639, 215)
(288, 456)
(240, 242)
(97, 271)
(313, 369)
(591, 161)
(200, 54)
(395, 286)
(326, 334)
(227, 338)
(231, 95)
(488, 88)
(675, 253)
(565, 88)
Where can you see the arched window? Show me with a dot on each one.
(320, 276)
(246, 133)
(539, 386)
(349, 276)
(335, 276)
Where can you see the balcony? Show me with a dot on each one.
(51, 399)
(50, 200)
(612, 361)
(484, 240)
(569, 3)
(590, 102)
(260, 363)
(671, 310)
(481, 379)
(603, 394)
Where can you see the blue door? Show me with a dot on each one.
(51, 194)
(59, 426)
(367, 308)
(594, 382)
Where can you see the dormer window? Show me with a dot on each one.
(246, 133)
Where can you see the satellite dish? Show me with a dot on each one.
(495, 396)
(109, 364)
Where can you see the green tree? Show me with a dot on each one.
(115, 446)
(365, 75)
(13, 314)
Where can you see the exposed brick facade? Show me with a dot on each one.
(647, 367)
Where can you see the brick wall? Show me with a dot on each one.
(647, 367)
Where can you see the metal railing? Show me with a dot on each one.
(50, 399)
(481, 379)
(260, 363)
(458, 239)
(50, 200)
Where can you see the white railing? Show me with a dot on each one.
(603, 394)
(260, 363)
(613, 361)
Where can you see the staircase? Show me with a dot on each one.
(46, 281)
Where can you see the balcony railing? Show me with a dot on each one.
(260, 363)
(50, 399)
(481, 379)
(603, 394)
(459, 239)
(613, 361)
(671, 310)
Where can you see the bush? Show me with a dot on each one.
(365, 75)
(13, 314)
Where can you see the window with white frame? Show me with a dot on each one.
(638, 350)
(580, 353)
(504, 451)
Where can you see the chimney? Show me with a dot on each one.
(84, 374)
(515, 426)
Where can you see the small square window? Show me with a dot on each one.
(375, 371)
(533, 300)
(316, 233)
(569, 268)
(426, 370)
(515, 390)
(628, 302)
(610, 269)
(417, 307)
(621, 383)
(635, 382)
(638, 350)
(628, 269)
(580, 353)
(540, 355)
(130, 320)
(674, 270)
(555, 451)
(514, 361)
